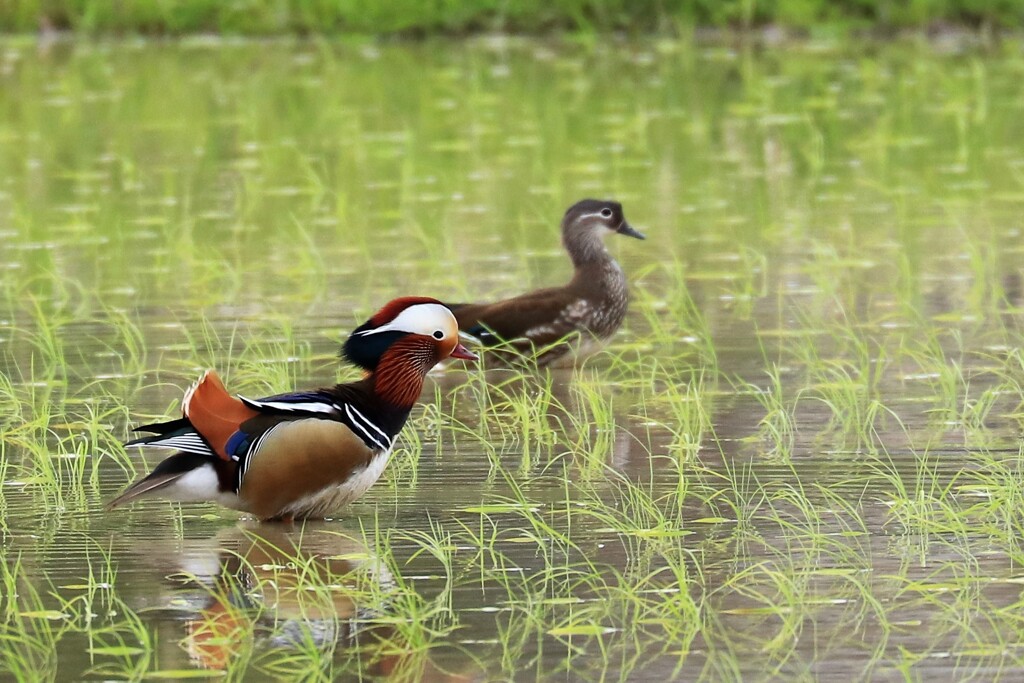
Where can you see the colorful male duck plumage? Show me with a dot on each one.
(592, 305)
(306, 454)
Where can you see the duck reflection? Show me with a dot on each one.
(281, 586)
(304, 589)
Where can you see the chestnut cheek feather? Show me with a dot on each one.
(445, 348)
(402, 368)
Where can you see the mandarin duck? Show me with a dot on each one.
(591, 306)
(303, 455)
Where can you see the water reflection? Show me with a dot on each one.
(277, 585)
(256, 590)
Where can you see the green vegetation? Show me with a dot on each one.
(800, 460)
(415, 17)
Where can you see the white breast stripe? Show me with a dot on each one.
(190, 443)
(360, 427)
(306, 407)
(254, 448)
(375, 428)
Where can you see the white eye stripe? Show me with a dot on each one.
(596, 214)
(422, 319)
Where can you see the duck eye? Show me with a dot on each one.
(438, 334)
(606, 213)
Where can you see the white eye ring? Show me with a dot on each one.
(606, 213)
(438, 334)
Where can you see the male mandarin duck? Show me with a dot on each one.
(306, 454)
(592, 305)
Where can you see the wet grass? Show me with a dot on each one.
(800, 459)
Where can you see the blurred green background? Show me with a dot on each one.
(421, 17)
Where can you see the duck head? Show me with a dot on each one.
(416, 332)
(587, 222)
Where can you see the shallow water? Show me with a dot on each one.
(800, 459)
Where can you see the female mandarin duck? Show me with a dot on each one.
(305, 454)
(591, 306)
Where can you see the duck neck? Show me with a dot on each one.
(398, 378)
(397, 387)
(585, 248)
(381, 409)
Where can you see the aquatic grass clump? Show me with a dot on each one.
(684, 410)
(847, 385)
(518, 411)
(591, 416)
(777, 429)
(124, 649)
(581, 604)
(30, 631)
(65, 443)
(90, 611)
(672, 316)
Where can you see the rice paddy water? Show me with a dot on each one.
(801, 459)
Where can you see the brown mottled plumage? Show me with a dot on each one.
(552, 322)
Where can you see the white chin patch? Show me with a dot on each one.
(422, 319)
